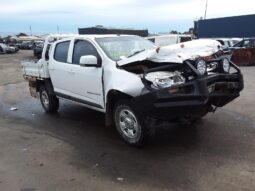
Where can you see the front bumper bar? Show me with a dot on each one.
(196, 97)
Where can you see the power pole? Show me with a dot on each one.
(206, 9)
(30, 30)
(58, 29)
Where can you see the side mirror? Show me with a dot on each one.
(89, 61)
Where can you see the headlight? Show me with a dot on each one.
(165, 79)
(201, 67)
(225, 65)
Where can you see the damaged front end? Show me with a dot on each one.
(189, 89)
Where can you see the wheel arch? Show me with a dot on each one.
(112, 97)
(47, 83)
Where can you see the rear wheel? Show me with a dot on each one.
(50, 103)
(131, 129)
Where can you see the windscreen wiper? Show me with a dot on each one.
(137, 52)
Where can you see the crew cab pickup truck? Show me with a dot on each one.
(134, 82)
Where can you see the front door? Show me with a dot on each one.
(86, 81)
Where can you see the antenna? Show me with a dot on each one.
(206, 8)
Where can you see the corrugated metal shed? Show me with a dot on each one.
(238, 26)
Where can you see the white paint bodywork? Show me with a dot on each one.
(37, 69)
(168, 39)
(177, 53)
(40, 69)
(92, 84)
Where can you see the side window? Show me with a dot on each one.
(61, 51)
(83, 48)
(239, 44)
(246, 44)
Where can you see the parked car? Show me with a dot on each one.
(3, 48)
(6, 49)
(10, 50)
(169, 39)
(133, 82)
(18, 45)
(26, 45)
(225, 42)
(16, 48)
(243, 53)
(234, 41)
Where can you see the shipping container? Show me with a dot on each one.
(227, 27)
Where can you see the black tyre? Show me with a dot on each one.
(50, 103)
(130, 127)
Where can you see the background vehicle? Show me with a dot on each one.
(14, 46)
(234, 41)
(243, 53)
(3, 48)
(169, 39)
(133, 82)
(225, 42)
(7, 49)
(27, 45)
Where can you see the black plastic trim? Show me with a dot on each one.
(78, 100)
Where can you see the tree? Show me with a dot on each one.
(6, 39)
(174, 32)
(99, 26)
(21, 34)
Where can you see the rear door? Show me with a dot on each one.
(60, 69)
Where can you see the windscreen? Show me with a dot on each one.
(121, 47)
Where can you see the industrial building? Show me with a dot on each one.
(227, 27)
(104, 30)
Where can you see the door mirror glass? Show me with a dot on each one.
(89, 61)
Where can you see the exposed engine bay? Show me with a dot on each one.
(165, 74)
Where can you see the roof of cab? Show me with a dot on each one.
(91, 36)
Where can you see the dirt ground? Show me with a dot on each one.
(10, 67)
(73, 150)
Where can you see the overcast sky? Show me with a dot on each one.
(156, 15)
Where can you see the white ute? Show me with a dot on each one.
(132, 81)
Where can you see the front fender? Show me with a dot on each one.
(122, 81)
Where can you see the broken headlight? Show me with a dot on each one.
(165, 79)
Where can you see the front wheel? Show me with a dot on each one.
(49, 102)
(131, 129)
